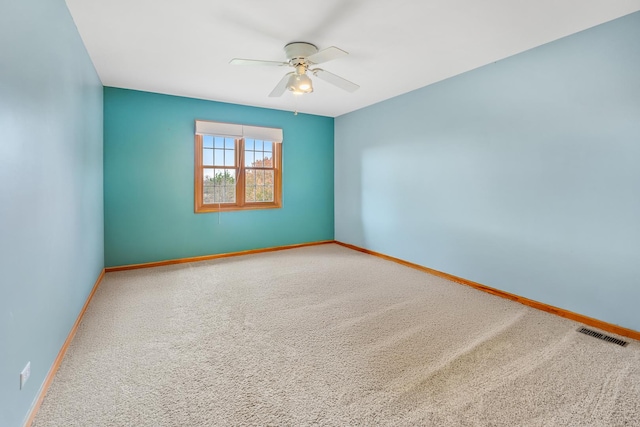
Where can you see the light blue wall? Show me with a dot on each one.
(51, 205)
(522, 175)
(148, 180)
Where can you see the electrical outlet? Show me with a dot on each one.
(24, 375)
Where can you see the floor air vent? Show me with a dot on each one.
(602, 336)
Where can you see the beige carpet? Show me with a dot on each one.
(328, 336)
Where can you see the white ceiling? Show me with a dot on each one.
(183, 47)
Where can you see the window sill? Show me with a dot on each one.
(229, 208)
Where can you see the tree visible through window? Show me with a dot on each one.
(259, 171)
(237, 173)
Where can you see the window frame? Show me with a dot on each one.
(240, 203)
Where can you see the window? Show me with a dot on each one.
(237, 167)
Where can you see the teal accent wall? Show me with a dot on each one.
(522, 175)
(148, 180)
(51, 201)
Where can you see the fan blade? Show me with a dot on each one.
(335, 80)
(327, 54)
(280, 87)
(239, 61)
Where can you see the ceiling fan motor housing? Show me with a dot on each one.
(297, 52)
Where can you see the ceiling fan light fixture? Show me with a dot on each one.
(301, 56)
(299, 84)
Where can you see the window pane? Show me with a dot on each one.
(208, 185)
(263, 194)
(250, 193)
(229, 176)
(268, 177)
(219, 158)
(268, 146)
(229, 158)
(229, 143)
(207, 156)
(219, 186)
(268, 194)
(208, 174)
(230, 194)
(258, 145)
(207, 141)
(248, 144)
(219, 142)
(258, 158)
(231, 186)
(268, 160)
(248, 158)
(249, 177)
(218, 194)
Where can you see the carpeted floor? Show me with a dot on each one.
(325, 335)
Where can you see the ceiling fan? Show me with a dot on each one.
(302, 56)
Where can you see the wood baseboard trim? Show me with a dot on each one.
(214, 256)
(56, 363)
(608, 327)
